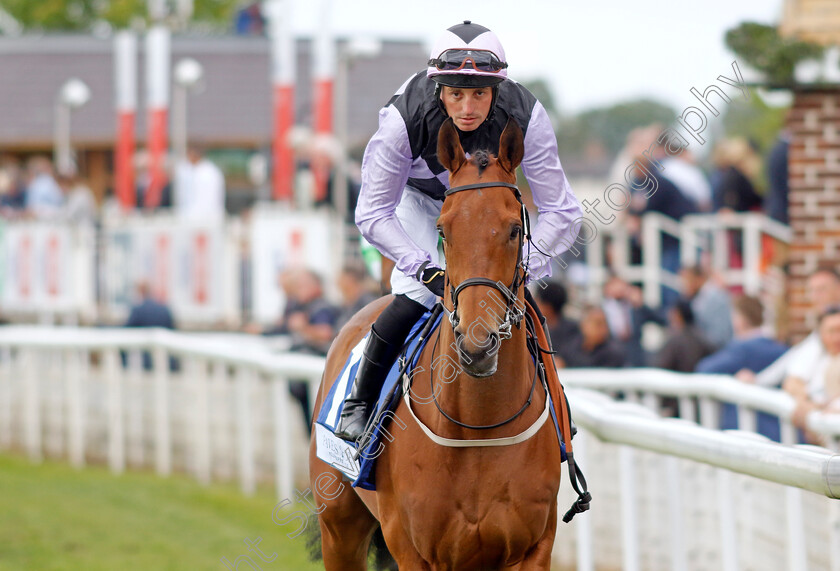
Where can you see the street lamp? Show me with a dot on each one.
(74, 93)
(187, 75)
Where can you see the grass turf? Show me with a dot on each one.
(56, 518)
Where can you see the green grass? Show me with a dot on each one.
(56, 518)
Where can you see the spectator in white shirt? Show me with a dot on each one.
(813, 377)
(824, 291)
(199, 189)
(79, 202)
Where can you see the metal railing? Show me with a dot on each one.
(712, 233)
(672, 495)
(646, 386)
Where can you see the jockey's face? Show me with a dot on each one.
(467, 107)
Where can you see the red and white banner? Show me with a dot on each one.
(185, 265)
(324, 75)
(125, 91)
(281, 240)
(47, 269)
(157, 108)
(283, 53)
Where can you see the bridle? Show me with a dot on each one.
(513, 314)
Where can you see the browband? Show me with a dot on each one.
(526, 220)
(513, 187)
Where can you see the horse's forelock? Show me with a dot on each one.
(481, 159)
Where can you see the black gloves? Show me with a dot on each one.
(433, 278)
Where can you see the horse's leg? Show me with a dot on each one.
(402, 549)
(539, 558)
(346, 530)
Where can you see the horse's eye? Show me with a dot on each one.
(440, 233)
(515, 232)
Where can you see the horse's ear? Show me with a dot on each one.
(511, 146)
(450, 153)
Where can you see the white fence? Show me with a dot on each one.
(218, 274)
(669, 494)
(710, 234)
(190, 266)
(224, 412)
(227, 274)
(648, 386)
(47, 269)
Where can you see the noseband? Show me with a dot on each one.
(513, 314)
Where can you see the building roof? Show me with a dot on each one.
(233, 107)
(812, 20)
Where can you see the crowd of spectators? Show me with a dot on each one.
(710, 330)
(34, 190)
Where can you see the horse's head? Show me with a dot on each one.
(481, 225)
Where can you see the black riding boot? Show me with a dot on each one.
(379, 355)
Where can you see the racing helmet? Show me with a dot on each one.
(467, 55)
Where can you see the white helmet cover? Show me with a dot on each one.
(467, 36)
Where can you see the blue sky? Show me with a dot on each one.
(592, 52)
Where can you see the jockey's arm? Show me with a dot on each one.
(558, 207)
(385, 168)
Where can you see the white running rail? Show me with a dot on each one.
(668, 494)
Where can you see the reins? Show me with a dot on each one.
(484, 426)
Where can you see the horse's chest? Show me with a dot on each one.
(495, 514)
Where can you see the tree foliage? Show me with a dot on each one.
(754, 120)
(542, 91)
(610, 125)
(80, 15)
(761, 47)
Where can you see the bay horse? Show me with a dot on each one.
(442, 505)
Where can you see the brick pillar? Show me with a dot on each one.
(814, 163)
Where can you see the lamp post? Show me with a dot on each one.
(187, 75)
(72, 95)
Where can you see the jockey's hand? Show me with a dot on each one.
(433, 279)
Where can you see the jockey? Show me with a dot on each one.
(403, 187)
